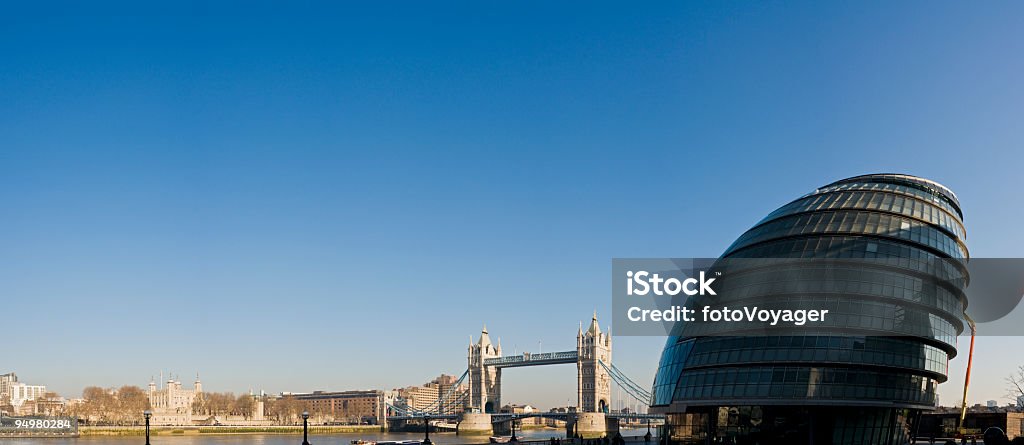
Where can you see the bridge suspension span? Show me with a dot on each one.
(443, 405)
(641, 397)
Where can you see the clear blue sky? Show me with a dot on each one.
(331, 196)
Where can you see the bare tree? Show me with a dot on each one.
(122, 406)
(243, 406)
(99, 404)
(219, 403)
(285, 409)
(1015, 384)
(131, 402)
(199, 405)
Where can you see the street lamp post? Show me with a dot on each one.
(147, 413)
(426, 429)
(305, 428)
(513, 439)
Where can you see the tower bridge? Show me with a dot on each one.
(593, 382)
(595, 375)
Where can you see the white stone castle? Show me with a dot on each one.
(172, 404)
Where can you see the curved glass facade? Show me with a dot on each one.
(861, 383)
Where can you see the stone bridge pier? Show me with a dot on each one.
(591, 425)
(475, 423)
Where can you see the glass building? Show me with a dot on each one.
(897, 316)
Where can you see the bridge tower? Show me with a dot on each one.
(594, 385)
(484, 381)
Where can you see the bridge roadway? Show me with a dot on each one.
(531, 359)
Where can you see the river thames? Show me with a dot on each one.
(294, 439)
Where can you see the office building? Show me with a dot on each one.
(354, 407)
(896, 315)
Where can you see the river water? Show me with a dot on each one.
(289, 439)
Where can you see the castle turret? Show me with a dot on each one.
(594, 387)
(484, 381)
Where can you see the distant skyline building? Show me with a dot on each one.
(22, 393)
(419, 398)
(426, 396)
(18, 395)
(448, 385)
(17, 398)
(6, 381)
(853, 387)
